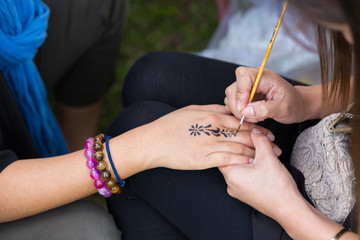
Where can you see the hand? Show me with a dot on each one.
(198, 137)
(264, 184)
(275, 97)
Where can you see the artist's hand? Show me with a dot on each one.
(198, 137)
(265, 184)
(275, 97)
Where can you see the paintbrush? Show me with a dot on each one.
(262, 67)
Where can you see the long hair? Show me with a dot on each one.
(338, 59)
(352, 9)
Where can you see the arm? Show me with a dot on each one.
(31, 186)
(267, 183)
(313, 107)
(308, 223)
(275, 98)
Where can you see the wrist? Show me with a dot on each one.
(302, 221)
(128, 154)
(311, 102)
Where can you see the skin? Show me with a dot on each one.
(31, 186)
(65, 178)
(276, 98)
(266, 183)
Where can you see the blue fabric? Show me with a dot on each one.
(23, 25)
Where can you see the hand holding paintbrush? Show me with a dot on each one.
(262, 67)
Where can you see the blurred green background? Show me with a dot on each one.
(154, 25)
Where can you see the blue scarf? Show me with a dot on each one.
(23, 25)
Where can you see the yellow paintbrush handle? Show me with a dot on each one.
(263, 64)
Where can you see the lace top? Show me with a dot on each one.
(325, 161)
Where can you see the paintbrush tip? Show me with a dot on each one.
(241, 122)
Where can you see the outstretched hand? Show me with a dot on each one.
(198, 137)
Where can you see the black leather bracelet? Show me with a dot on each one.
(339, 234)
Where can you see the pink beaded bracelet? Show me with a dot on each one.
(105, 185)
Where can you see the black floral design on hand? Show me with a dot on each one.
(197, 129)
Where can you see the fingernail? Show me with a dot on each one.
(277, 151)
(271, 137)
(248, 111)
(251, 160)
(238, 105)
(256, 131)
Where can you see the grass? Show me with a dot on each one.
(156, 25)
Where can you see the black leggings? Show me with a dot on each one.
(169, 204)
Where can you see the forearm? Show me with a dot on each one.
(312, 105)
(302, 221)
(311, 102)
(31, 186)
(28, 187)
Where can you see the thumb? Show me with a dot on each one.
(263, 146)
(261, 109)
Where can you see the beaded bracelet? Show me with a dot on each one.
(102, 178)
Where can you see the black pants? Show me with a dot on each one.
(169, 204)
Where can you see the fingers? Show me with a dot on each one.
(263, 146)
(211, 108)
(253, 120)
(219, 159)
(231, 153)
(244, 149)
(236, 148)
(245, 78)
(237, 94)
(261, 110)
(231, 100)
(231, 122)
(246, 126)
(231, 170)
(264, 105)
(235, 155)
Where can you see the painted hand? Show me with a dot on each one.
(198, 137)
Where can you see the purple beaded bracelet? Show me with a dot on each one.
(95, 174)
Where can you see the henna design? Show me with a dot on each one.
(198, 129)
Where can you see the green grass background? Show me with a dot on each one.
(153, 25)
